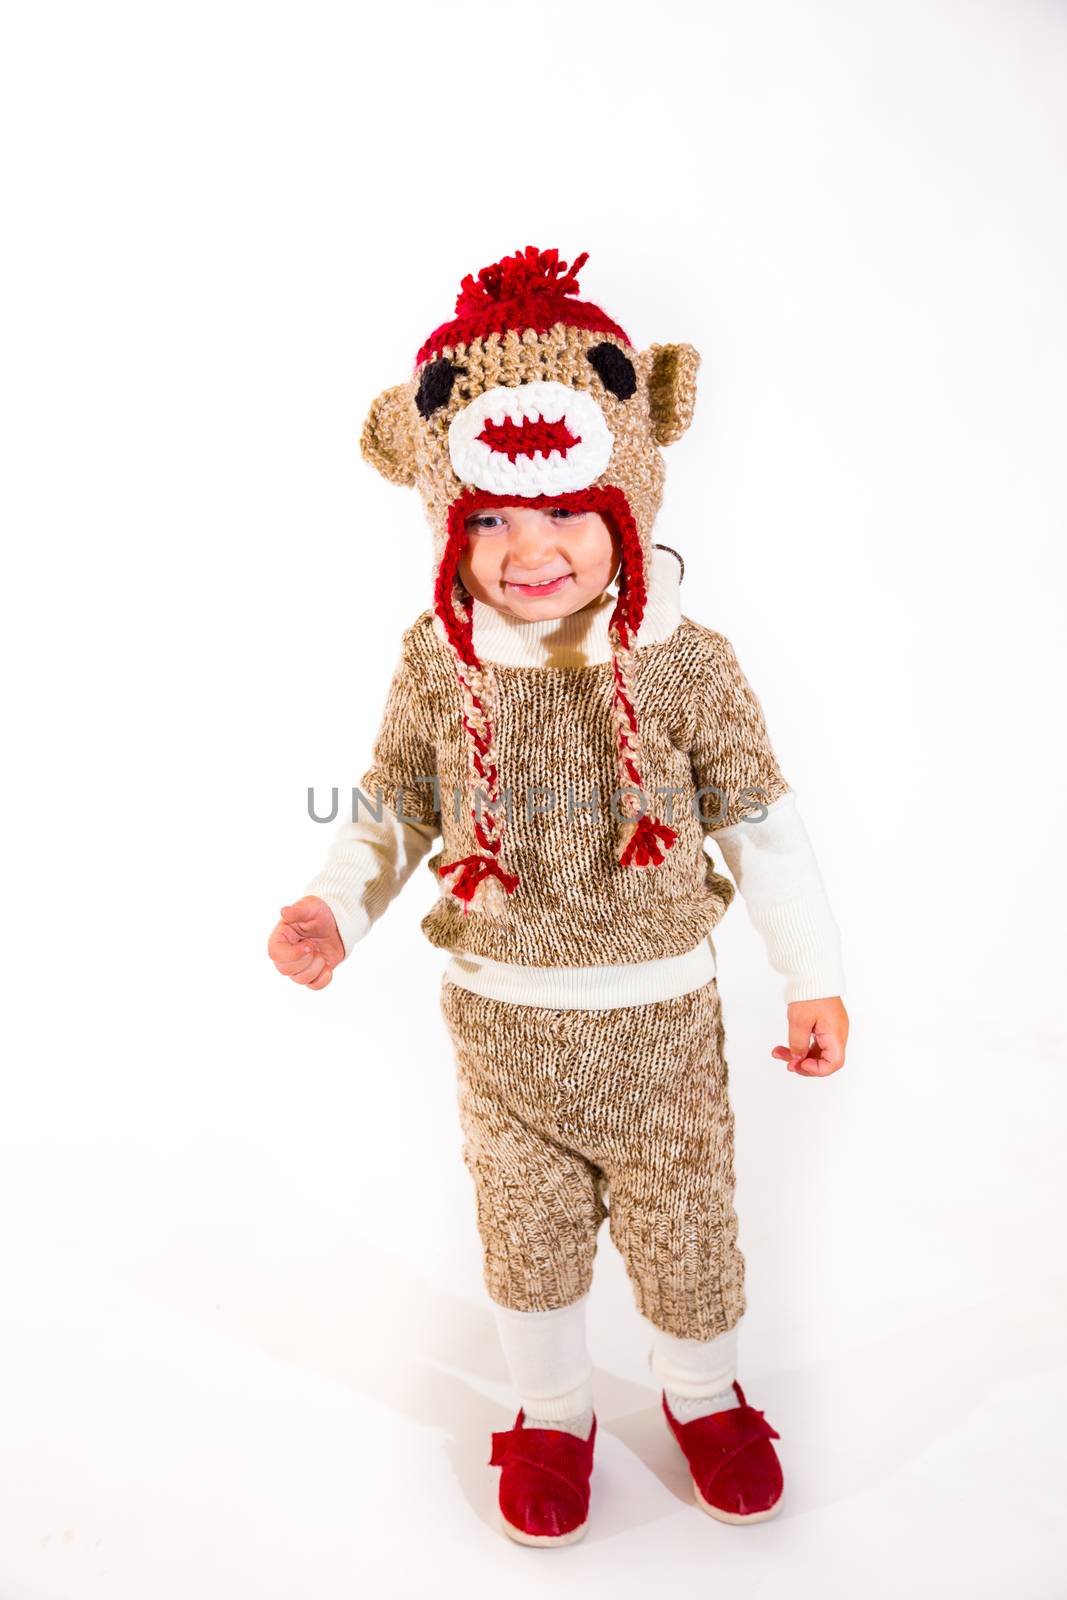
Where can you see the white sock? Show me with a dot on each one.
(684, 1409)
(550, 1366)
(696, 1375)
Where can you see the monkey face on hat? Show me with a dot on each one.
(530, 395)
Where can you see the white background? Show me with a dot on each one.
(245, 1346)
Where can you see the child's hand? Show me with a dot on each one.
(305, 945)
(828, 1021)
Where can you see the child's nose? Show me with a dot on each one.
(532, 544)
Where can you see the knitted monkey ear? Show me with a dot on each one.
(672, 389)
(388, 437)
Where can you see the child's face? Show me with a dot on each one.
(512, 549)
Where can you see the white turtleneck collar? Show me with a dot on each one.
(580, 640)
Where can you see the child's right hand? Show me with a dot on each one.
(305, 945)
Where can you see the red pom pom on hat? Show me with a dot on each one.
(530, 289)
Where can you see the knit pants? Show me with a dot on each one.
(572, 1115)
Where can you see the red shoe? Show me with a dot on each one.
(736, 1474)
(544, 1487)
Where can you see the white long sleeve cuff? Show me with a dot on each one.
(774, 866)
(368, 864)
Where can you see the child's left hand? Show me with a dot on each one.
(827, 1020)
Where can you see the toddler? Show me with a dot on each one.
(572, 747)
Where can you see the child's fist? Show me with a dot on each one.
(305, 945)
(825, 1021)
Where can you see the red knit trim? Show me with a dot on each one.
(530, 289)
(630, 716)
(651, 836)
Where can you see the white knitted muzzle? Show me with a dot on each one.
(498, 442)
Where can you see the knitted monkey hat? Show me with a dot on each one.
(532, 395)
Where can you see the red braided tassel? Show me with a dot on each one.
(475, 869)
(643, 846)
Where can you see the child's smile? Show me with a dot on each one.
(542, 589)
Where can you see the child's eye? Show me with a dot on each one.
(564, 513)
(486, 523)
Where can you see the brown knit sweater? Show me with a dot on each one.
(702, 727)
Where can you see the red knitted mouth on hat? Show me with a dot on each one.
(528, 438)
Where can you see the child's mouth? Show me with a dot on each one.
(553, 586)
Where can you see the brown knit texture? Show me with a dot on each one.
(701, 726)
(557, 1106)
